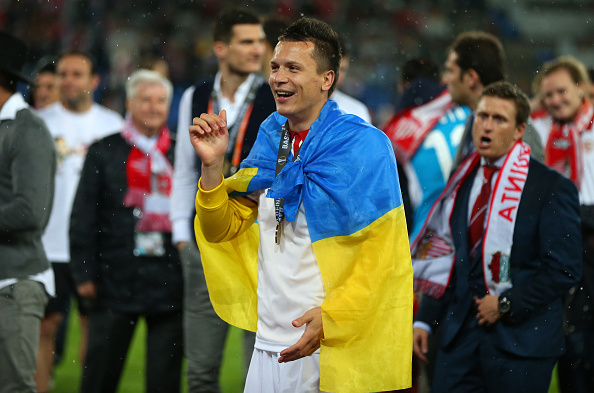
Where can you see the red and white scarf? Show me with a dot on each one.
(149, 175)
(433, 253)
(407, 130)
(564, 150)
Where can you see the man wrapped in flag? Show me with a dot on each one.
(307, 243)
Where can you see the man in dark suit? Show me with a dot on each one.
(507, 249)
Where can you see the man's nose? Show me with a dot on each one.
(280, 76)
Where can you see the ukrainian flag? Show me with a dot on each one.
(346, 178)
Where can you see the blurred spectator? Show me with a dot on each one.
(273, 27)
(27, 168)
(74, 122)
(425, 132)
(120, 241)
(247, 99)
(568, 134)
(476, 59)
(45, 89)
(344, 101)
(151, 61)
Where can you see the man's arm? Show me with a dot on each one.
(560, 252)
(185, 175)
(84, 225)
(33, 168)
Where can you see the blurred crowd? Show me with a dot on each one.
(120, 34)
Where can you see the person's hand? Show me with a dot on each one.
(180, 246)
(87, 290)
(488, 310)
(420, 343)
(210, 137)
(310, 340)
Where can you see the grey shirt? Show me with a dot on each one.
(27, 169)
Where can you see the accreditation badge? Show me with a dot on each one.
(149, 244)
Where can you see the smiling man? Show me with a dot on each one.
(329, 253)
(566, 125)
(494, 261)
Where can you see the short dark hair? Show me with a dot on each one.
(82, 53)
(420, 67)
(8, 82)
(507, 91)
(327, 53)
(46, 65)
(222, 28)
(482, 52)
(576, 69)
(273, 28)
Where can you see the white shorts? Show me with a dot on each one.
(267, 375)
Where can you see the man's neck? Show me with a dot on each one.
(78, 107)
(230, 82)
(475, 94)
(302, 122)
(4, 96)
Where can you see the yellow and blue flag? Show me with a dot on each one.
(347, 180)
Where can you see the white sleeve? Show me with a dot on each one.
(185, 175)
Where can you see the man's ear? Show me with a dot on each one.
(220, 48)
(96, 80)
(328, 80)
(472, 78)
(520, 130)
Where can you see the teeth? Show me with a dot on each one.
(283, 94)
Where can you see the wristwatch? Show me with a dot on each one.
(504, 306)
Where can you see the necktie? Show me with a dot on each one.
(479, 211)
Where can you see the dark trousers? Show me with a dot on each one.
(471, 363)
(205, 333)
(576, 366)
(109, 339)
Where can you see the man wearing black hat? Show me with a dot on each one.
(27, 168)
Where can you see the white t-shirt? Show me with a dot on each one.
(289, 279)
(73, 133)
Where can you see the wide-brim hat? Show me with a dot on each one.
(13, 54)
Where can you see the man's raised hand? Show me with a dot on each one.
(210, 138)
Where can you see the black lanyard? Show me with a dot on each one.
(284, 148)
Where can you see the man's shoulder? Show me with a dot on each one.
(106, 113)
(50, 111)
(203, 86)
(107, 144)
(31, 119)
(350, 104)
(541, 175)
